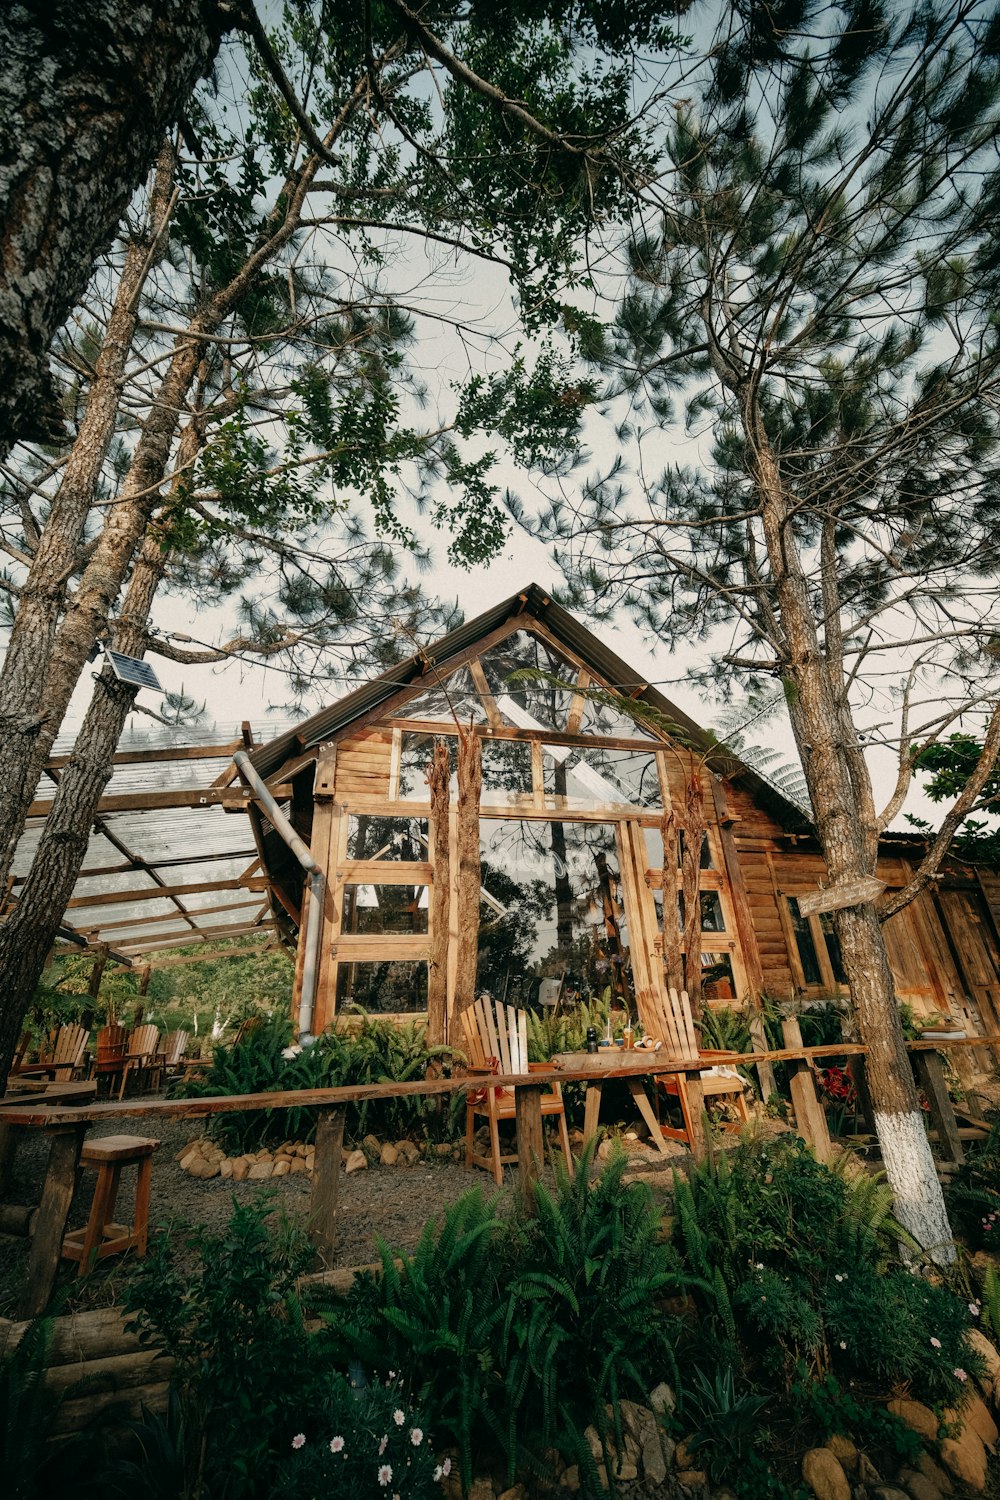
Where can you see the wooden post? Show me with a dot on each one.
(858, 1076)
(930, 1074)
(810, 1120)
(694, 1121)
(765, 1072)
(50, 1226)
(8, 1148)
(530, 1149)
(326, 1185)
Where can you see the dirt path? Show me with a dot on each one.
(393, 1203)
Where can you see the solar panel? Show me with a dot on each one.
(132, 669)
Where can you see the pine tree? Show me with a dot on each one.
(815, 291)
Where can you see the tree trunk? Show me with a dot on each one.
(439, 781)
(470, 783)
(694, 833)
(831, 764)
(23, 707)
(673, 951)
(88, 88)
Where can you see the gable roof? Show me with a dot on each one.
(424, 667)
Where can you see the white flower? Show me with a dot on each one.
(416, 1436)
(446, 1467)
(843, 1344)
(759, 1266)
(437, 1474)
(383, 1445)
(935, 1343)
(299, 1440)
(974, 1309)
(399, 1417)
(960, 1374)
(385, 1474)
(337, 1444)
(838, 1278)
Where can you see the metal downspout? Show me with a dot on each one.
(317, 884)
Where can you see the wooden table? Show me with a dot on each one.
(612, 1061)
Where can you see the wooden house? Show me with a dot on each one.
(580, 760)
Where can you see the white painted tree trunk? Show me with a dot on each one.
(909, 1166)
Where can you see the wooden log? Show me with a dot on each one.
(80, 1336)
(930, 1073)
(75, 1415)
(17, 1218)
(470, 785)
(694, 1114)
(530, 1147)
(438, 779)
(115, 1372)
(50, 1226)
(810, 1120)
(326, 1185)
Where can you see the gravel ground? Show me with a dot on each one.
(393, 1203)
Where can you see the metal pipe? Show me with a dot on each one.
(317, 885)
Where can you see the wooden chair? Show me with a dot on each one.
(173, 1050)
(109, 1058)
(497, 1042)
(245, 1030)
(671, 1021)
(62, 1056)
(141, 1055)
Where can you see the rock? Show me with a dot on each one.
(240, 1169)
(917, 1417)
(990, 1381)
(652, 1459)
(888, 1492)
(408, 1151)
(593, 1441)
(569, 1479)
(824, 1476)
(388, 1156)
(356, 1162)
(442, 1149)
(260, 1171)
(723, 1494)
(867, 1472)
(373, 1144)
(918, 1486)
(627, 1472)
(297, 1165)
(662, 1399)
(225, 1167)
(281, 1167)
(844, 1451)
(965, 1458)
(451, 1485)
(692, 1479)
(975, 1414)
(309, 1163)
(604, 1149)
(481, 1489)
(932, 1470)
(668, 1447)
(516, 1492)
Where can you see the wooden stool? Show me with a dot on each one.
(109, 1154)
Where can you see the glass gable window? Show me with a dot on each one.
(506, 768)
(454, 697)
(526, 704)
(601, 716)
(594, 777)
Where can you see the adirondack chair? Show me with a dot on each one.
(141, 1056)
(497, 1042)
(173, 1050)
(109, 1059)
(62, 1056)
(670, 1019)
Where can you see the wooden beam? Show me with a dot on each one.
(167, 916)
(150, 801)
(546, 736)
(325, 1196)
(150, 757)
(530, 1147)
(158, 892)
(198, 935)
(217, 956)
(810, 1120)
(50, 1225)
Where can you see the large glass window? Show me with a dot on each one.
(816, 941)
(530, 704)
(387, 986)
(455, 697)
(551, 909)
(385, 908)
(506, 768)
(386, 838)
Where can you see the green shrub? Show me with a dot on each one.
(513, 1337)
(225, 1307)
(973, 1196)
(379, 1052)
(828, 1408)
(365, 1442)
(801, 1263)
